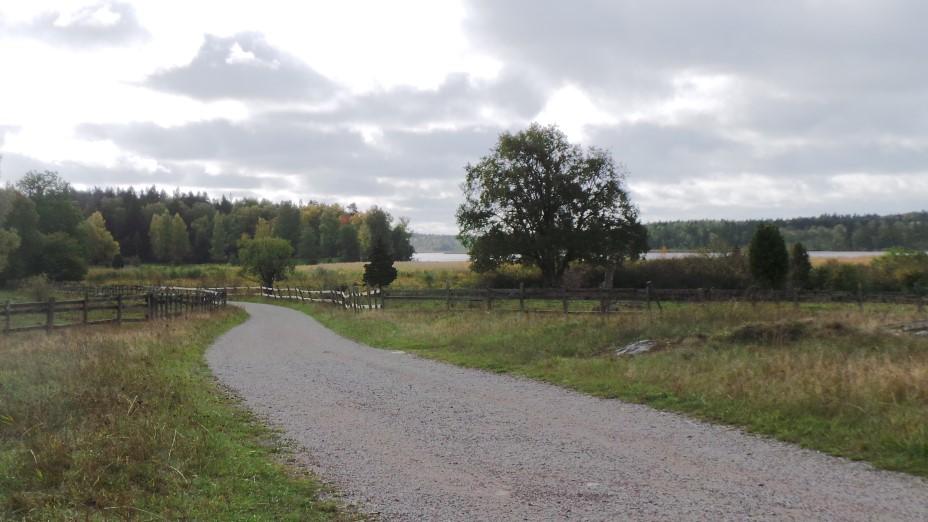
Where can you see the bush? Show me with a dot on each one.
(269, 258)
(701, 271)
(63, 258)
(37, 287)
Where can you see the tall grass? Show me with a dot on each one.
(127, 423)
(828, 377)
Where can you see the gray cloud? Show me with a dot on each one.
(243, 66)
(98, 25)
(459, 99)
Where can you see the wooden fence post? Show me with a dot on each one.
(565, 300)
(522, 296)
(448, 295)
(119, 309)
(84, 308)
(860, 295)
(489, 299)
(647, 295)
(796, 298)
(7, 315)
(50, 315)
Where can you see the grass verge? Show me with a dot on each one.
(826, 377)
(128, 423)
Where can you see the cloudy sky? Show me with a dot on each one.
(717, 108)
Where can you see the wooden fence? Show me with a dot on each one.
(101, 305)
(354, 298)
(565, 300)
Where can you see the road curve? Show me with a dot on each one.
(413, 439)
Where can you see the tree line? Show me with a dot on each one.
(47, 226)
(826, 232)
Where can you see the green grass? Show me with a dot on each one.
(827, 377)
(105, 423)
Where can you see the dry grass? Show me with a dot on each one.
(828, 377)
(856, 260)
(127, 423)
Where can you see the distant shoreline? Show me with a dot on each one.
(654, 254)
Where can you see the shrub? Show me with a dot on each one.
(63, 258)
(269, 258)
(37, 287)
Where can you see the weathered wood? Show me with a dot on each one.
(50, 315)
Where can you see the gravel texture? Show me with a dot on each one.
(413, 439)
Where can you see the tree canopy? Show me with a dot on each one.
(537, 199)
(269, 258)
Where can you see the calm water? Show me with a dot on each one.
(654, 254)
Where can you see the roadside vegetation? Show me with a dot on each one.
(828, 377)
(128, 423)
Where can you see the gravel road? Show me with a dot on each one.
(413, 439)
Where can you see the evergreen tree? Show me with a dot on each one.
(379, 271)
(800, 267)
(769, 260)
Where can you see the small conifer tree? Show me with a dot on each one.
(379, 272)
(769, 259)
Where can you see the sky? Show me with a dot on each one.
(716, 109)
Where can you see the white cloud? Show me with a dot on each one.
(718, 108)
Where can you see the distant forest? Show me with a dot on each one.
(47, 226)
(826, 232)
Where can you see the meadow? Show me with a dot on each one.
(128, 423)
(830, 377)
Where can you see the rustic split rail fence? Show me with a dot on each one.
(563, 300)
(108, 305)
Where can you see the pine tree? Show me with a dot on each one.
(379, 272)
(769, 259)
(800, 268)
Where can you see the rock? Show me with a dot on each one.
(636, 347)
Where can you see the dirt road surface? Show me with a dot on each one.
(413, 439)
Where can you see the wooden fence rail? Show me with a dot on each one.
(596, 300)
(116, 308)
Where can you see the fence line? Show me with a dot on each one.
(134, 305)
(605, 300)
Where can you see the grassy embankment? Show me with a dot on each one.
(827, 377)
(103, 423)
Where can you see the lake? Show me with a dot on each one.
(654, 254)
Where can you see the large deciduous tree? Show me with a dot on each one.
(539, 200)
(99, 244)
